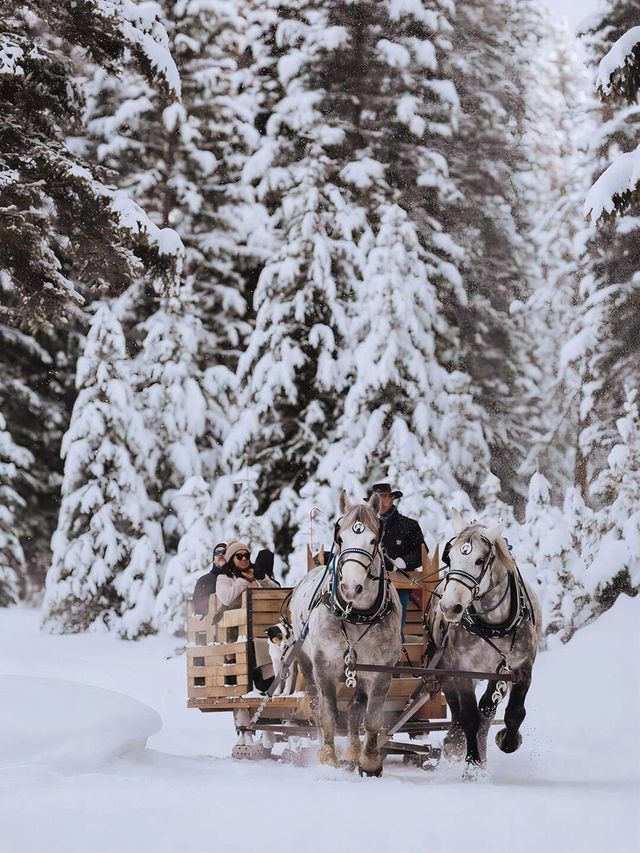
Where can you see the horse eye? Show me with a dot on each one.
(373, 542)
(479, 561)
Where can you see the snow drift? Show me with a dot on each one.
(68, 727)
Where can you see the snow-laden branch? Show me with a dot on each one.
(620, 65)
(612, 189)
(141, 25)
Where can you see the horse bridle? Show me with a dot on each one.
(346, 611)
(342, 558)
(461, 577)
(515, 583)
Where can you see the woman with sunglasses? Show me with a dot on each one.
(238, 574)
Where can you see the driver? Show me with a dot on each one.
(402, 537)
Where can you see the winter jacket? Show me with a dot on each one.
(229, 590)
(205, 586)
(402, 537)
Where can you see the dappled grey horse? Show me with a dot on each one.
(348, 612)
(484, 618)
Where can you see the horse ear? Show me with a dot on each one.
(493, 533)
(374, 502)
(458, 521)
(343, 504)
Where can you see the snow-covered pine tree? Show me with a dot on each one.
(615, 249)
(36, 397)
(550, 551)
(62, 229)
(65, 232)
(107, 548)
(615, 529)
(557, 125)
(484, 217)
(14, 462)
(197, 512)
(244, 521)
(288, 378)
(405, 417)
(183, 162)
(171, 401)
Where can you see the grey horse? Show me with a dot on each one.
(484, 618)
(349, 609)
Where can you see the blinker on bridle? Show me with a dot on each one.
(344, 555)
(461, 576)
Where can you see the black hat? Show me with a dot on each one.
(385, 489)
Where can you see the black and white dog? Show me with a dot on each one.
(280, 640)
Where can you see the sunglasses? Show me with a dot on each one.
(219, 551)
(242, 556)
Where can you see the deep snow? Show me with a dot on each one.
(573, 786)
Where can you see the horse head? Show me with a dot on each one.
(471, 557)
(357, 539)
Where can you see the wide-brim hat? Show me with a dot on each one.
(385, 489)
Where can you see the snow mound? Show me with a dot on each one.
(66, 726)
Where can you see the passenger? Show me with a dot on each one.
(206, 585)
(240, 574)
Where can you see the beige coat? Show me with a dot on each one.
(229, 590)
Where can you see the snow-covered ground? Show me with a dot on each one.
(75, 774)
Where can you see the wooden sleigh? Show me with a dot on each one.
(227, 660)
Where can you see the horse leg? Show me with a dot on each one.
(487, 707)
(470, 720)
(356, 715)
(370, 763)
(327, 713)
(454, 742)
(311, 692)
(509, 738)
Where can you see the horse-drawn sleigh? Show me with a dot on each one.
(476, 620)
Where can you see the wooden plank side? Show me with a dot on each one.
(270, 593)
(219, 650)
(219, 681)
(222, 670)
(215, 692)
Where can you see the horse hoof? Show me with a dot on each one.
(375, 772)
(507, 744)
(327, 755)
(475, 772)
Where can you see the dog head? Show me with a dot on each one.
(275, 634)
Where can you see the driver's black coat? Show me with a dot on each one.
(402, 537)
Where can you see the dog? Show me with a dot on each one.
(280, 640)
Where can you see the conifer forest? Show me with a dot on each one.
(254, 252)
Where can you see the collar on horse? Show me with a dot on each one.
(519, 612)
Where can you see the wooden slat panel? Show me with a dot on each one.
(220, 681)
(214, 692)
(236, 618)
(269, 606)
(237, 669)
(217, 651)
(270, 594)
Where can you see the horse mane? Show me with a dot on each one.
(504, 557)
(360, 512)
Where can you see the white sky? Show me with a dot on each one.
(574, 10)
